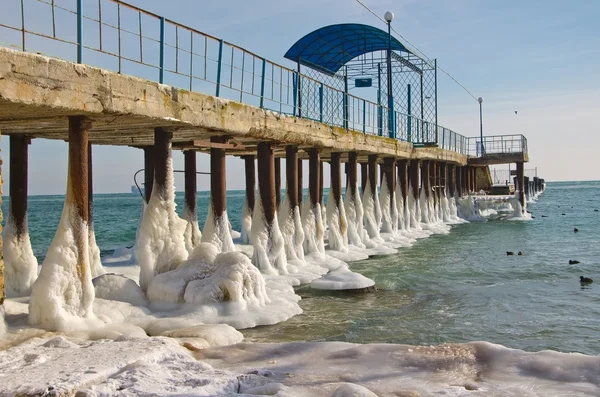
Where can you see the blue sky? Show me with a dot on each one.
(540, 58)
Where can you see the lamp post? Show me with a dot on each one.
(389, 17)
(480, 100)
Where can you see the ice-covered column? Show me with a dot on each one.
(336, 214)
(372, 210)
(364, 174)
(21, 265)
(425, 191)
(388, 201)
(474, 178)
(277, 162)
(63, 294)
(2, 323)
(192, 233)
(413, 199)
(521, 183)
(460, 183)
(435, 183)
(451, 175)
(402, 199)
(353, 203)
(527, 186)
(148, 172)
(216, 229)
(289, 212)
(312, 220)
(95, 261)
(467, 171)
(269, 251)
(300, 185)
(249, 202)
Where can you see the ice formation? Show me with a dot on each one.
(191, 235)
(291, 230)
(217, 231)
(354, 217)
(267, 240)
(338, 224)
(119, 288)
(2, 322)
(389, 212)
(246, 235)
(133, 259)
(414, 210)
(342, 278)
(21, 266)
(63, 294)
(95, 261)
(235, 280)
(372, 212)
(160, 246)
(314, 231)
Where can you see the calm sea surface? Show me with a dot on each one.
(447, 288)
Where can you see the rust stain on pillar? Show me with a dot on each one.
(189, 157)
(218, 188)
(414, 167)
(266, 180)
(425, 177)
(403, 177)
(148, 172)
(373, 174)
(336, 178)
(90, 188)
(314, 175)
(18, 181)
(291, 175)
(77, 191)
(521, 181)
(321, 179)
(277, 163)
(162, 155)
(389, 170)
(351, 171)
(364, 173)
(300, 184)
(250, 181)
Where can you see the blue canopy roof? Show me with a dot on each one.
(329, 48)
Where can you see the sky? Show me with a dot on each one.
(536, 63)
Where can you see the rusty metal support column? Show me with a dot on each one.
(444, 179)
(300, 183)
(425, 177)
(266, 180)
(451, 175)
(77, 191)
(474, 179)
(218, 187)
(250, 180)
(148, 172)
(458, 171)
(434, 183)
(162, 154)
(413, 171)
(321, 182)
(314, 176)
(467, 171)
(291, 175)
(389, 172)
(527, 187)
(364, 173)
(403, 178)
(277, 162)
(521, 182)
(18, 182)
(351, 171)
(373, 174)
(336, 178)
(191, 187)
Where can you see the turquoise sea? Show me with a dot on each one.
(446, 288)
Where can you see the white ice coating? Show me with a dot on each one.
(268, 242)
(133, 259)
(63, 294)
(400, 208)
(413, 210)
(2, 322)
(191, 235)
(291, 230)
(95, 262)
(342, 278)
(217, 231)
(354, 217)
(160, 246)
(246, 235)
(338, 224)
(21, 265)
(312, 222)
(389, 211)
(372, 212)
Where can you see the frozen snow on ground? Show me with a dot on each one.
(21, 266)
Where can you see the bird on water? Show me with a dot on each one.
(585, 280)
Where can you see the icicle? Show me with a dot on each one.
(338, 225)
(95, 262)
(192, 235)
(312, 222)
(291, 230)
(354, 217)
(269, 252)
(372, 212)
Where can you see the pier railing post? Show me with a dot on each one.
(262, 84)
(161, 68)
(219, 62)
(79, 31)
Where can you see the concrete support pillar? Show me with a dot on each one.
(468, 179)
(435, 183)
(250, 181)
(336, 178)
(364, 173)
(536, 184)
(266, 180)
(389, 174)
(527, 188)
(521, 183)
(2, 296)
(148, 172)
(413, 174)
(190, 184)
(351, 171)
(218, 187)
(162, 155)
(403, 178)
(277, 163)
(90, 187)
(78, 180)
(314, 176)
(321, 182)
(444, 179)
(426, 177)
(18, 182)
(451, 175)
(300, 183)
(474, 178)
(373, 174)
(291, 176)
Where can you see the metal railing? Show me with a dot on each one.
(497, 144)
(114, 35)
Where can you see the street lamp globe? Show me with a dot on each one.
(389, 16)
(480, 99)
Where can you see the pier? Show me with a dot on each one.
(246, 106)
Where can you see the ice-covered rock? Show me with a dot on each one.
(119, 288)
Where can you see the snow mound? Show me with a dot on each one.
(119, 288)
(211, 335)
(235, 279)
(352, 390)
(342, 278)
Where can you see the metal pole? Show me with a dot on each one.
(480, 100)
(299, 88)
(392, 132)
(409, 121)
(161, 70)
(79, 31)
(218, 91)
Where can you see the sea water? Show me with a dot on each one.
(446, 288)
